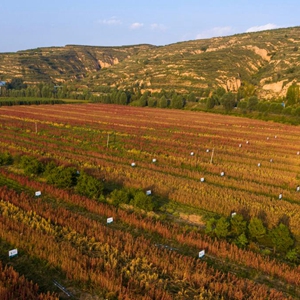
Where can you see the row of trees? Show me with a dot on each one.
(84, 184)
(241, 232)
(245, 98)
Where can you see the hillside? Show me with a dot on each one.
(269, 59)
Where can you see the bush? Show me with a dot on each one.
(31, 165)
(5, 159)
(89, 186)
(63, 177)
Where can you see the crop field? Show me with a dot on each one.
(196, 165)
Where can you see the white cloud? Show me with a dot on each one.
(156, 26)
(262, 27)
(111, 21)
(136, 25)
(215, 32)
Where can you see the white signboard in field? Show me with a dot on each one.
(133, 164)
(233, 214)
(222, 174)
(110, 220)
(13, 252)
(202, 179)
(154, 160)
(148, 193)
(192, 153)
(201, 253)
(38, 193)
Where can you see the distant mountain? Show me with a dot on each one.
(269, 60)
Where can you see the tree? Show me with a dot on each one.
(177, 101)
(241, 240)
(293, 94)
(63, 177)
(238, 225)
(89, 186)
(5, 159)
(252, 103)
(31, 165)
(163, 102)
(281, 238)
(16, 84)
(228, 101)
(143, 201)
(210, 103)
(221, 229)
(256, 228)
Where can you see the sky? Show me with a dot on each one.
(29, 24)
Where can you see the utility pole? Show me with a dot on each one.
(212, 155)
(107, 140)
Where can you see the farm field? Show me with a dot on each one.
(198, 165)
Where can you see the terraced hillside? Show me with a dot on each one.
(270, 60)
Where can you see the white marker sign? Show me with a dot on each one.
(222, 174)
(202, 179)
(201, 253)
(154, 160)
(38, 193)
(110, 220)
(133, 164)
(233, 214)
(148, 193)
(13, 252)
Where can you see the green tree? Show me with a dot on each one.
(222, 228)
(293, 94)
(210, 226)
(241, 240)
(63, 177)
(120, 196)
(31, 165)
(228, 101)
(256, 228)
(5, 159)
(89, 186)
(252, 103)
(281, 238)
(16, 84)
(238, 225)
(210, 102)
(177, 101)
(163, 102)
(141, 200)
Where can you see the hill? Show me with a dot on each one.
(270, 60)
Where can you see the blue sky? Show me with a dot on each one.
(41, 23)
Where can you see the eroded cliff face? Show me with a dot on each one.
(110, 61)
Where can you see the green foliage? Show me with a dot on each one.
(241, 241)
(16, 84)
(293, 94)
(31, 165)
(238, 225)
(281, 238)
(228, 101)
(222, 228)
(252, 103)
(63, 177)
(6, 159)
(143, 201)
(210, 102)
(162, 102)
(256, 228)
(292, 255)
(89, 186)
